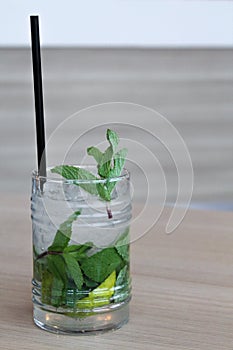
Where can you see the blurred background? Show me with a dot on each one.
(173, 56)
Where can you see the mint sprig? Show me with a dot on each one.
(63, 234)
(74, 270)
(122, 245)
(100, 265)
(109, 165)
(122, 285)
(111, 162)
(69, 273)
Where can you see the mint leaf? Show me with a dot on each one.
(103, 191)
(100, 265)
(105, 162)
(57, 267)
(74, 270)
(46, 285)
(122, 285)
(90, 283)
(53, 280)
(73, 248)
(85, 247)
(109, 164)
(122, 245)
(96, 153)
(38, 269)
(104, 166)
(63, 234)
(56, 292)
(113, 139)
(119, 161)
(78, 251)
(74, 173)
(122, 277)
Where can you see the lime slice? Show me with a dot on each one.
(99, 296)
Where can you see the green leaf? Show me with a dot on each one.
(38, 269)
(96, 153)
(78, 251)
(99, 296)
(57, 267)
(54, 280)
(104, 166)
(75, 173)
(90, 283)
(74, 270)
(122, 245)
(56, 291)
(113, 139)
(103, 191)
(105, 162)
(100, 265)
(46, 286)
(122, 277)
(119, 161)
(110, 165)
(110, 186)
(63, 234)
(72, 248)
(122, 285)
(86, 246)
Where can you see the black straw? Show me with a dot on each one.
(38, 94)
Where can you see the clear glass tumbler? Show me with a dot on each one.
(81, 279)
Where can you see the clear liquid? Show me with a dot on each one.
(101, 303)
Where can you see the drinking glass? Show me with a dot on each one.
(81, 261)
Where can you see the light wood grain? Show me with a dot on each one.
(182, 287)
(183, 283)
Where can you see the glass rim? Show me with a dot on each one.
(125, 175)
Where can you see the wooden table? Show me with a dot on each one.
(182, 287)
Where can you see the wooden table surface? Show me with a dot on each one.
(182, 283)
(182, 287)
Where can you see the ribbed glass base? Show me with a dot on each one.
(98, 322)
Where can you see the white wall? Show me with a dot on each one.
(119, 22)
